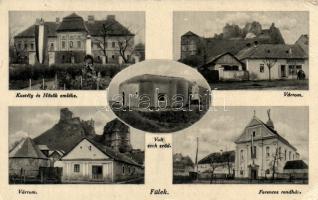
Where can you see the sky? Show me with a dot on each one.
(291, 24)
(33, 121)
(21, 20)
(217, 130)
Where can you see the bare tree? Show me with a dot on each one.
(213, 166)
(125, 43)
(276, 157)
(269, 62)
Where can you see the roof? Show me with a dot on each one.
(215, 58)
(27, 149)
(273, 131)
(107, 151)
(152, 78)
(72, 22)
(43, 147)
(190, 33)
(295, 164)
(75, 22)
(51, 28)
(274, 51)
(218, 157)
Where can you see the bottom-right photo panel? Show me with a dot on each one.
(244, 145)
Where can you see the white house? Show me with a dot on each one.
(226, 67)
(284, 60)
(89, 161)
(260, 149)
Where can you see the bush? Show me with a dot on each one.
(38, 71)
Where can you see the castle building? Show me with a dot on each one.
(261, 151)
(71, 39)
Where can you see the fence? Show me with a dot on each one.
(43, 175)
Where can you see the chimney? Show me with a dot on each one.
(111, 17)
(57, 20)
(90, 19)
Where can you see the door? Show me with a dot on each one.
(283, 70)
(97, 172)
(253, 174)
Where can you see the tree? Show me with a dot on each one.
(276, 157)
(269, 62)
(212, 167)
(125, 43)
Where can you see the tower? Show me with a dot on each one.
(117, 136)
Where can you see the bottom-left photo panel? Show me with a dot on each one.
(79, 145)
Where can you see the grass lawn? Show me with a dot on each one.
(262, 85)
(160, 121)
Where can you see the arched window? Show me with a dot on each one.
(267, 151)
(242, 154)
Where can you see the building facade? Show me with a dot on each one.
(274, 61)
(261, 152)
(69, 40)
(89, 161)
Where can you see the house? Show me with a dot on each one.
(284, 61)
(224, 67)
(303, 42)
(90, 161)
(182, 165)
(296, 169)
(26, 158)
(157, 91)
(69, 40)
(195, 49)
(220, 163)
(260, 149)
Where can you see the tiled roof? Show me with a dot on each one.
(72, 22)
(109, 152)
(27, 149)
(295, 164)
(217, 157)
(75, 22)
(30, 32)
(274, 51)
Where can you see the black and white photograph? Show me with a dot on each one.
(234, 50)
(260, 145)
(79, 50)
(159, 96)
(75, 145)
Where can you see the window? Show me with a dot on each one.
(76, 168)
(253, 152)
(25, 45)
(291, 70)
(267, 151)
(113, 44)
(261, 68)
(71, 44)
(242, 154)
(113, 57)
(267, 171)
(289, 157)
(19, 45)
(63, 44)
(79, 44)
(52, 46)
(161, 97)
(254, 134)
(32, 46)
(298, 67)
(293, 156)
(285, 155)
(123, 169)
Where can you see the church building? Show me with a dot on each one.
(261, 151)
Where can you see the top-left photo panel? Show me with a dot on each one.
(72, 50)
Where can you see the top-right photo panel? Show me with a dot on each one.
(267, 50)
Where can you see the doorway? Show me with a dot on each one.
(283, 70)
(253, 174)
(97, 172)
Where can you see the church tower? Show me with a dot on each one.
(270, 123)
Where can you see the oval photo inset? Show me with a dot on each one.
(159, 96)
